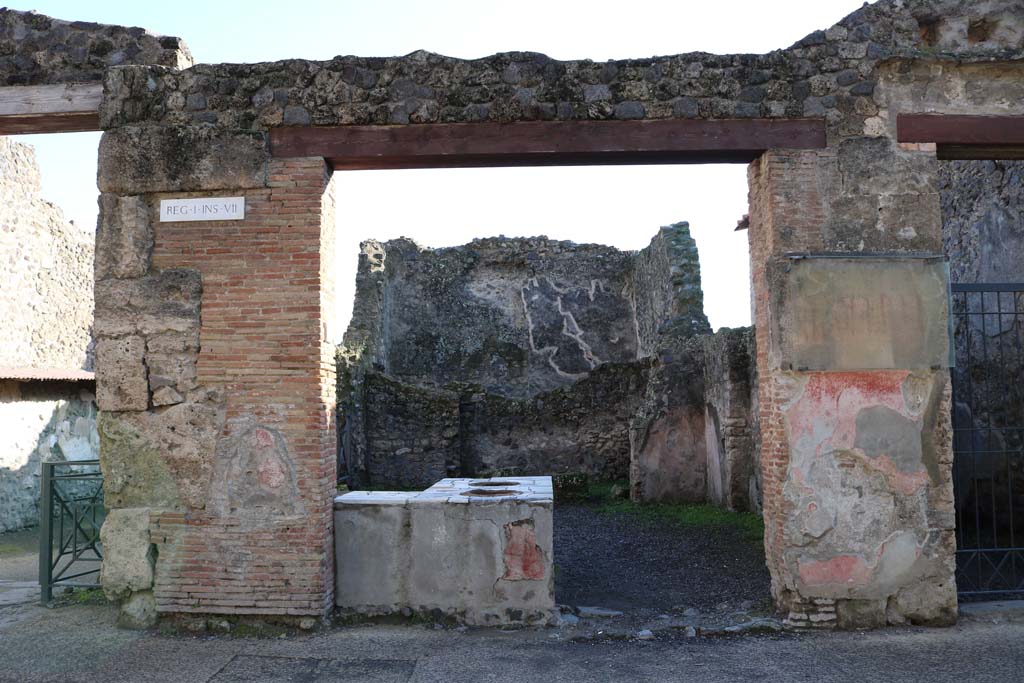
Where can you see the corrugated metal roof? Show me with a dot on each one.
(43, 374)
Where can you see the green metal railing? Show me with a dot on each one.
(70, 515)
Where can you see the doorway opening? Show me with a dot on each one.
(983, 234)
(515, 322)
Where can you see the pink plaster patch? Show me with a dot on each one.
(270, 473)
(524, 560)
(843, 569)
(833, 400)
(264, 439)
(826, 414)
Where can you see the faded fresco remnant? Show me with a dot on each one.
(254, 477)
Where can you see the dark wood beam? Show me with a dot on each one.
(546, 143)
(950, 129)
(55, 123)
(989, 152)
(50, 108)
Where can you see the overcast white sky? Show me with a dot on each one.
(621, 206)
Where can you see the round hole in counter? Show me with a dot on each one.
(488, 482)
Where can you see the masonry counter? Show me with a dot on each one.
(473, 551)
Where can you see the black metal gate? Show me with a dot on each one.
(988, 438)
(71, 512)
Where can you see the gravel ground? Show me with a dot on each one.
(637, 565)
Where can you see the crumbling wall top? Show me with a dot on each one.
(39, 50)
(828, 74)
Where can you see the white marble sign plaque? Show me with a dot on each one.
(202, 209)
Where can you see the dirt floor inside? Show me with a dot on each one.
(656, 560)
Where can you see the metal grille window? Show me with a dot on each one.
(988, 438)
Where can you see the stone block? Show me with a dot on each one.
(121, 378)
(166, 302)
(138, 611)
(127, 553)
(174, 371)
(164, 158)
(161, 458)
(857, 614)
(124, 237)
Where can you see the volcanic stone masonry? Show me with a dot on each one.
(46, 304)
(516, 357)
(213, 339)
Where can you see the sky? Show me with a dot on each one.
(621, 206)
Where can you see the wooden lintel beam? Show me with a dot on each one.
(546, 143)
(50, 108)
(984, 152)
(950, 129)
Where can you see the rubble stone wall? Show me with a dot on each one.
(39, 50)
(46, 302)
(506, 356)
(983, 219)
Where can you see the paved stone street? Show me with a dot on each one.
(80, 643)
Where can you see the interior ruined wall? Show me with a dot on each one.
(730, 420)
(507, 356)
(166, 129)
(46, 301)
(983, 220)
(516, 317)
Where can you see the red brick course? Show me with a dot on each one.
(268, 287)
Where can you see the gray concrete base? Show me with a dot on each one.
(478, 552)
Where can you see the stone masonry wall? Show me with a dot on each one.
(666, 289)
(507, 356)
(42, 421)
(730, 380)
(827, 74)
(39, 50)
(46, 301)
(983, 219)
(217, 431)
(668, 460)
(516, 317)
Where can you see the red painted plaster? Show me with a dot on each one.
(842, 569)
(524, 560)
